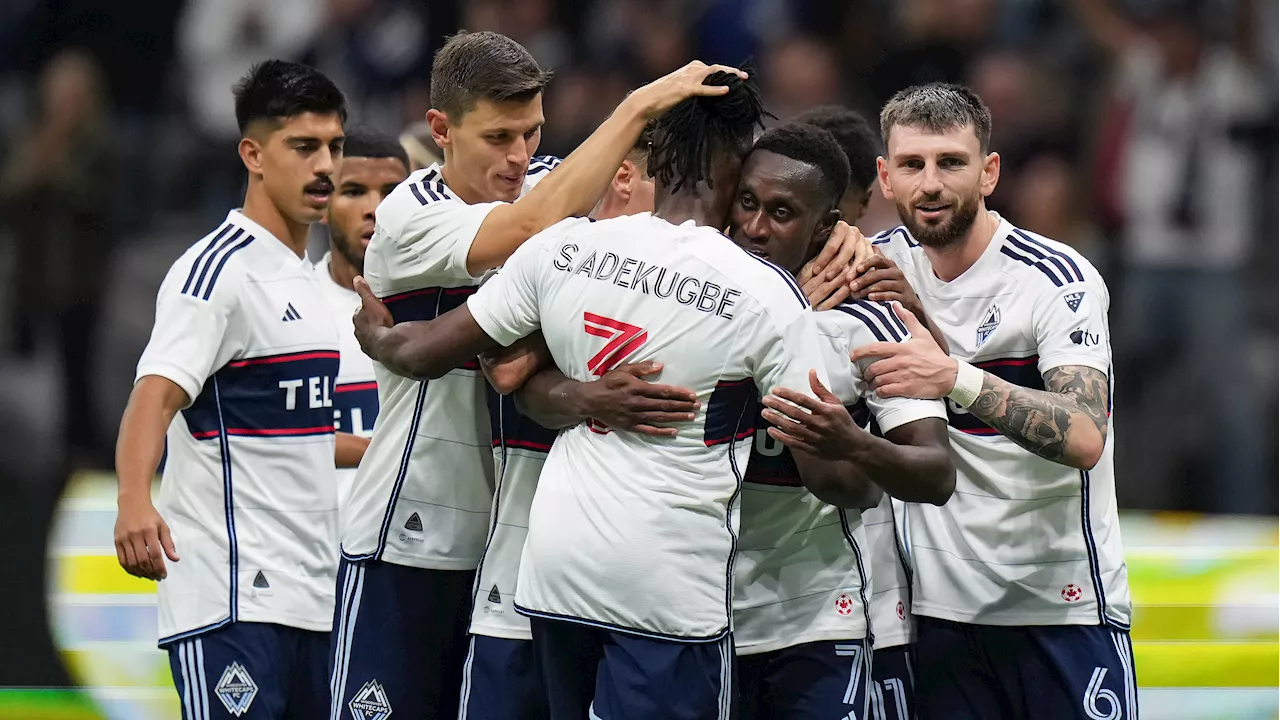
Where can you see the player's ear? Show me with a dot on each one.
(439, 124)
(990, 173)
(623, 179)
(824, 227)
(882, 174)
(251, 155)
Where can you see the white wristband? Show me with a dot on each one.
(968, 384)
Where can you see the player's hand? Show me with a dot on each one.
(371, 319)
(666, 92)
(623, 401)
(821, 427)
(825, 279)
(880, 279)
(917, 368)
(141, 535)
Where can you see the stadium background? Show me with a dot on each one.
(125, 110)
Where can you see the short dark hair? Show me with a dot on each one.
(859, 142)
(640, 150)
(814, 146)
(274, 90)
(483, 66)
(690, 134)
(369, 143)
(937, 108)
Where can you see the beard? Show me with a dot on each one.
(946, 232)
(351, 250)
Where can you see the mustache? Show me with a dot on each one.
(322, 185)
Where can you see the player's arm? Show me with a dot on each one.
(620, 399)
(575, 186)
(508, 369)
(880, 279)
(140, 532)
(348, 450)
(912, 462)
(1065, 423)
(825, 278)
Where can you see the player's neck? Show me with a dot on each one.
(952, 261)
(341, 269)
(701, 208)
(459, 187)
(259, 208)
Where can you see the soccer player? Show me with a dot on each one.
(372, 165)
(417, 520)
(892, 695)
(238, 379)
(627, 570)
(500, 680)
(1019, 585)
(802, 598)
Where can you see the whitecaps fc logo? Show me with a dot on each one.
(989, 325)
(236, 689)
(844, 605)
(370, 703)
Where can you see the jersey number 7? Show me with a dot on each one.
(624, 339)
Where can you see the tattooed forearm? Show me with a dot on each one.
(1067, 423)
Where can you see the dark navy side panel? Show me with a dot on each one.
(728, 412)
(512, 429)
(1024, 372)
(355, 407)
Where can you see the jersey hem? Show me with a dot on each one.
(636, 632)
(501, 634)
(429, 563)
(188, 634)
(1087, 615)
(775, 645)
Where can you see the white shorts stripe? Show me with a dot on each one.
(202, 685)
(339, 656)
(1130, 682)
(184, 667)
(351, 612)
(464, 695)
(726, 678)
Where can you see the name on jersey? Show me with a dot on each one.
(650, 279)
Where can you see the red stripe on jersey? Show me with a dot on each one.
(292, 357)
(1009, 362)
(354, 387)
(528, 444)
(743, 435)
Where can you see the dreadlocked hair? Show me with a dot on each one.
(690, 134)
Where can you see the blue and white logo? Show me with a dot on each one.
(370, 703)
(236, 689)
(988, 325)
(1073, 300)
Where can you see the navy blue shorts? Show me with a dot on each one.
(252, 671)
(825, 680)
(501, 681)
(609, 675)
(893, 686)
(399, 641)
(1046, 672)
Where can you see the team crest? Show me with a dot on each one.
(988, 325)
(236, 689)
(1073, 300)
(370, 703)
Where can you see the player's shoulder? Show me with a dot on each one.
(770, 285)
(896, 243)
(218, 262)
(423, 193)
(539, 167)
(1045, 264)
(862, 322)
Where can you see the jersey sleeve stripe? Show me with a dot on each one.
(786, 277)
(203, 253)
(1042, 257)
(879, 326)
(208, 290)
(1077, 275)
(886, 313)
(1032, 263)
(206, 260)
(413, 188)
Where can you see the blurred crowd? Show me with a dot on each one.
(1143, 132)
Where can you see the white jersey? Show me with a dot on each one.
(355, 394)
(1024, 541)
(249, 489)
(890, 589)
(520, 448)
(626, 531)
(421, 495)
(803, 566)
